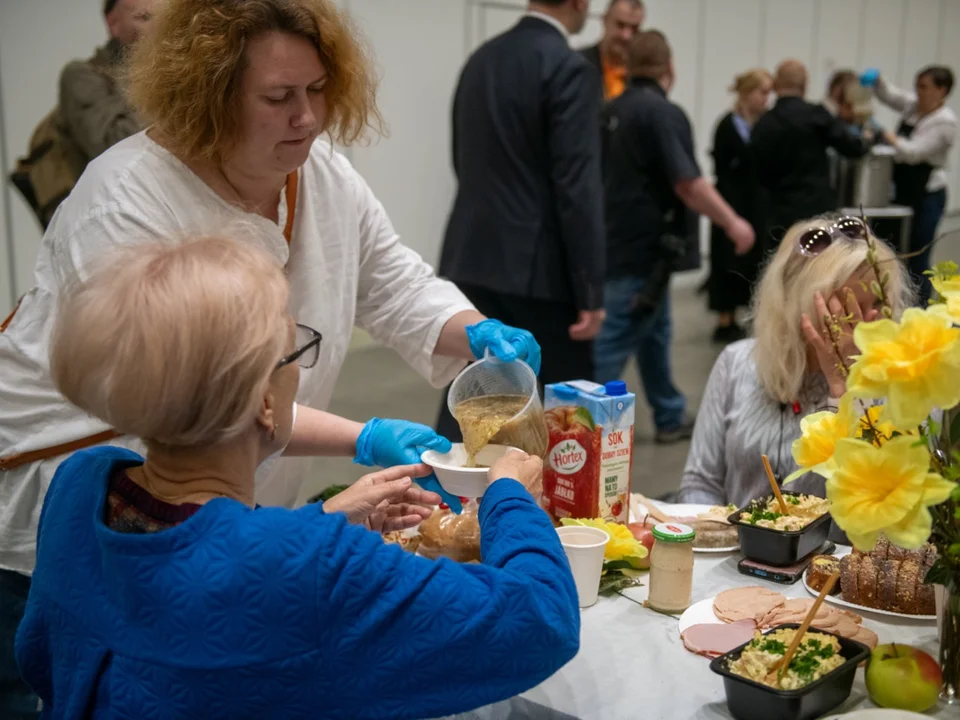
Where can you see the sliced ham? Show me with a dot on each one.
(746, 603)
(713, 640)
(795, 611)
(867, 637)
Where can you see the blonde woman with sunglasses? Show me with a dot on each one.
(760, 388)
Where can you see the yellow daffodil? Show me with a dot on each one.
(949, 292)
(884, 429)
(885, 490)
(915, 365)
(813, 450)
(622, 546)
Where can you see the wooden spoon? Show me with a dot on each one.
(774, 486)
(652, 510)
(784, 663)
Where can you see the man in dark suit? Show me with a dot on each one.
(790, 146)
(526, 235)
(621, 22)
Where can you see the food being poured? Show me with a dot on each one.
(500, 419)
(802, 510)
(817, 655)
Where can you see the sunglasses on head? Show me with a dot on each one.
(815, 240)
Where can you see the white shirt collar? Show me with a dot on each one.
(549, 19)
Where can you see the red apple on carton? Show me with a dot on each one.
(903, 678)
(644, 534)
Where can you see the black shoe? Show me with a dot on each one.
(728, 334)
(682, 432)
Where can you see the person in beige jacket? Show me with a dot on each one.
(94, 114)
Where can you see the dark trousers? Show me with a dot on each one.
(922, 234)
(17, 700)
(563, 359)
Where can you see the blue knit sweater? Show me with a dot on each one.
(272, 613)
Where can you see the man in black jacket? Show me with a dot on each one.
(651, 180)
(790, 144)
(621, 23)
(525, 238)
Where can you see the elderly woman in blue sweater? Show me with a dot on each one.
(163, 591)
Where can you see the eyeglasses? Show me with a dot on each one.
(308, 349)
(815, 240)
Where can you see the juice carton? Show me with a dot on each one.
(586, 473)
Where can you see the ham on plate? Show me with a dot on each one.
(713, 639)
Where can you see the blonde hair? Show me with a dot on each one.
(750, 80)
(786, 292)
(184, 74)
(173, 342)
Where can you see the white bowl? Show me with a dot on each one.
(459, 480)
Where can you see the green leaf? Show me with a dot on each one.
(939, 573)
(583, 417)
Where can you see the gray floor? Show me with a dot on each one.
(376, 383)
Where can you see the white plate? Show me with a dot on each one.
(836, 600)
(878, 714)
(700, 613)
(685, 510)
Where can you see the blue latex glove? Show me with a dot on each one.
(505, 342)
(386, 443)
(869, 77)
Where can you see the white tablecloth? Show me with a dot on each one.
(632, 663)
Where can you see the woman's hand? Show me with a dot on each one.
(833, 331)
(505, 342)
(525, 469)
(387, 500)
(386, 443)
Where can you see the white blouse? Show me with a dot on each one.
(345, 263)
(932, 138)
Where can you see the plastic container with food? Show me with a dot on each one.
(752, 700)
(499, 403)
(778, 547)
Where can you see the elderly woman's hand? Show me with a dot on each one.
(843, 315)
(387, 500)
(525, 469)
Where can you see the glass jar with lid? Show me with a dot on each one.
(671, 568)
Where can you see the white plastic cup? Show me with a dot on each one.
(584, 547)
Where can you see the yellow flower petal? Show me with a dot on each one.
(864, 543)
(937, 489)
(874, 488)
(913, 531)
(914, 364)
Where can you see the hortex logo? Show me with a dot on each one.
(568, 457)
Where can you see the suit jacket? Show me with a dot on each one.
(528, 215)
(790, 148)
(592, 56)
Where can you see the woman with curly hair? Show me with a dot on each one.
(235, 95)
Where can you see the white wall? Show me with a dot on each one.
(421, 45)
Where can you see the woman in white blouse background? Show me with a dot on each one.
(923, 140)
(761, 388)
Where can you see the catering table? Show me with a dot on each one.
(632, 663)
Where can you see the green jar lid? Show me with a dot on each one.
(674, 533)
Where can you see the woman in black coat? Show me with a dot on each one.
(732, 276)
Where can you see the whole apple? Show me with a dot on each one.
(644, 534)
(903, 677)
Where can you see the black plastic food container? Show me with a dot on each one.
(749, 700)
(779, 547)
